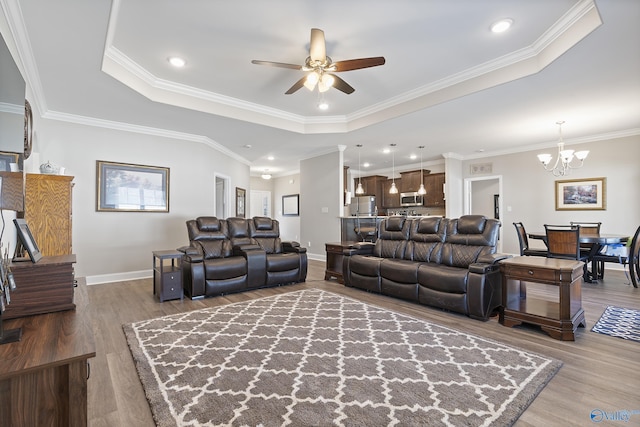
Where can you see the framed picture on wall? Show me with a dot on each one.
(123, 187)
(291, 205)
(241, 202)
(581, 194)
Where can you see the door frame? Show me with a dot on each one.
(225, 196)
(468, 199)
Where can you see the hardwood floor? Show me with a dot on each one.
(599, 371)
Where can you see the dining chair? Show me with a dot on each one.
(523, 240)
(563, 241)
(587, 248)
(631, 260)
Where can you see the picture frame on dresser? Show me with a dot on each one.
(27, 240)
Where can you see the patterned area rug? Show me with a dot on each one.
(619, 322)
(317, 358)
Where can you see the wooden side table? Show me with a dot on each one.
(334, 259)
(561, 317)
(167, 279)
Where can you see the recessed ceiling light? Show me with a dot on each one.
(322, 105)
(502, 25)
(386, 151)
(366, 164)
(247, 145)
(177, 62)
(413, 157)
(270, 157)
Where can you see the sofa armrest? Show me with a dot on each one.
(362, 248)
(487, 263)
(293, 247)
(492, 258)
(191, 254)
(241, 250)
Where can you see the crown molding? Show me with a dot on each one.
(146, 130)
(572, 27)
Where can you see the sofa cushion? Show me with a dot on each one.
(225, 268)
(283, 262)
(399, 270)
(365, 265)
(425, 239)
(443, 278)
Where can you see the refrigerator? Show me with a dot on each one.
(363, 206)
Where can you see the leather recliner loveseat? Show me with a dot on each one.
(237, 254)
(447, 263)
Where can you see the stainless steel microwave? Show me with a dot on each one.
(411, 199)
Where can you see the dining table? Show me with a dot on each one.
(597, 241)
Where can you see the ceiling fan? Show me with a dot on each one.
(321, 67)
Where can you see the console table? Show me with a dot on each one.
(559, 317)
(43, 377)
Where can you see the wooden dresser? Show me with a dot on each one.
(48, 213)
(43, 377)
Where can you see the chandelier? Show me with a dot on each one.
(564, 162)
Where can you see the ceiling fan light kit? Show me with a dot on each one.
(320, 66)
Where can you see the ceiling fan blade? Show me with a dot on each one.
(297, 85)
(341, 85)
(356, 64)
(277, 64)
(317, 47)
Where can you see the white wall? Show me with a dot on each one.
(118, 245)
(529, 191)
(321, 202)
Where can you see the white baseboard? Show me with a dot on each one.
(119, 277)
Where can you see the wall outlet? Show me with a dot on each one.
(309, 245)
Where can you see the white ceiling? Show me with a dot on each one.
(448, 82)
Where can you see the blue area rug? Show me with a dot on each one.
(619, 322)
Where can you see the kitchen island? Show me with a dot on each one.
(363, 228)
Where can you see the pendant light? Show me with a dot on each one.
(359, 189)
(393, 189)
(421, 191)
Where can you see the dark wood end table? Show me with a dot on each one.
(167, 277)
(334, 259)
(559, 319)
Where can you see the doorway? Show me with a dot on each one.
(221, 195)
(260, 204)
(483, 196)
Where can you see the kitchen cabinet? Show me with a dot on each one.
(411, 180)
(434, 184)
(390, 200)
(372, 186)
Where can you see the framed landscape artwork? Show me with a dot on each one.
(123, 187)
(581, 194)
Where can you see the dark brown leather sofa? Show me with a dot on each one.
(447, 263)
(237, 254)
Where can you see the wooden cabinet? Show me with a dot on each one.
(47, 210)
(411, 180)
(434, 184)
(372, 185)
(43, 377)
(390, 200)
